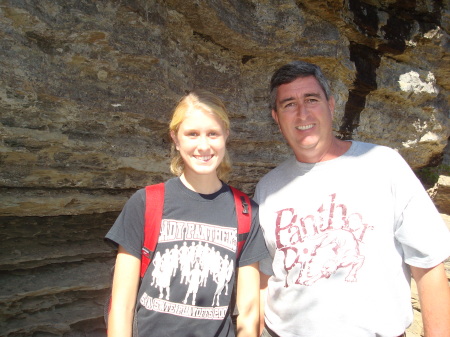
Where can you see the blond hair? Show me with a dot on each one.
(207, 102)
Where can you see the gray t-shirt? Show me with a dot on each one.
(188, 287)
(340, 234)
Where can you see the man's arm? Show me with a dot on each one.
(434, 296)
(247, 300)
(263, 281)
(124, 293)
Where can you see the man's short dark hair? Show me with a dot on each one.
(290, 72)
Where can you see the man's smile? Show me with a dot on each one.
(304, 127)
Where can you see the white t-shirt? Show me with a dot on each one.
(339, 234)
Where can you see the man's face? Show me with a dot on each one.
(304, 116)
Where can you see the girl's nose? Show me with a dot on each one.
(203, 143)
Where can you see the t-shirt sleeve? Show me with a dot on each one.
(420, 229)
(265, 266)
(254, 249)
(423, 235)
(128, 229)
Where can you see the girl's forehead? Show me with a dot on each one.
(199, 116)
(197, 112)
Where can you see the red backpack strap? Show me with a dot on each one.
(154, 205)
(244, 216)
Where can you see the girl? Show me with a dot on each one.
(199, 213)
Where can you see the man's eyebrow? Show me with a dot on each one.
(311, 94)
(287, 99)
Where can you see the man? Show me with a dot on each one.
(347, 224)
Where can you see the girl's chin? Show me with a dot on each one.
(203, 171)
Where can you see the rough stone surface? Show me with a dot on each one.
(442, 194)
(86, 92)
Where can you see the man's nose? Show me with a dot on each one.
(302, 111)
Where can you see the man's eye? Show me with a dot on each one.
(311, 100)
(289, 105)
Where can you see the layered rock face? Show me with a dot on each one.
(87, 89)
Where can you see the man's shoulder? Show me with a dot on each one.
(371, 148)
(279, 169)
(379, 158)
(272, 179)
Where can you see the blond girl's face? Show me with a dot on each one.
(201, 139)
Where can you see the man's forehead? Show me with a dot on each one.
(295, 94)
(303, 86)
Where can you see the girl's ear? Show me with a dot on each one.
(174, 139)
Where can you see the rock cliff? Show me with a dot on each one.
(87, 88)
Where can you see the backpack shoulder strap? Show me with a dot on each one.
(244, 216)
(154, 205)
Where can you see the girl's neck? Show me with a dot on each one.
(204, 184)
